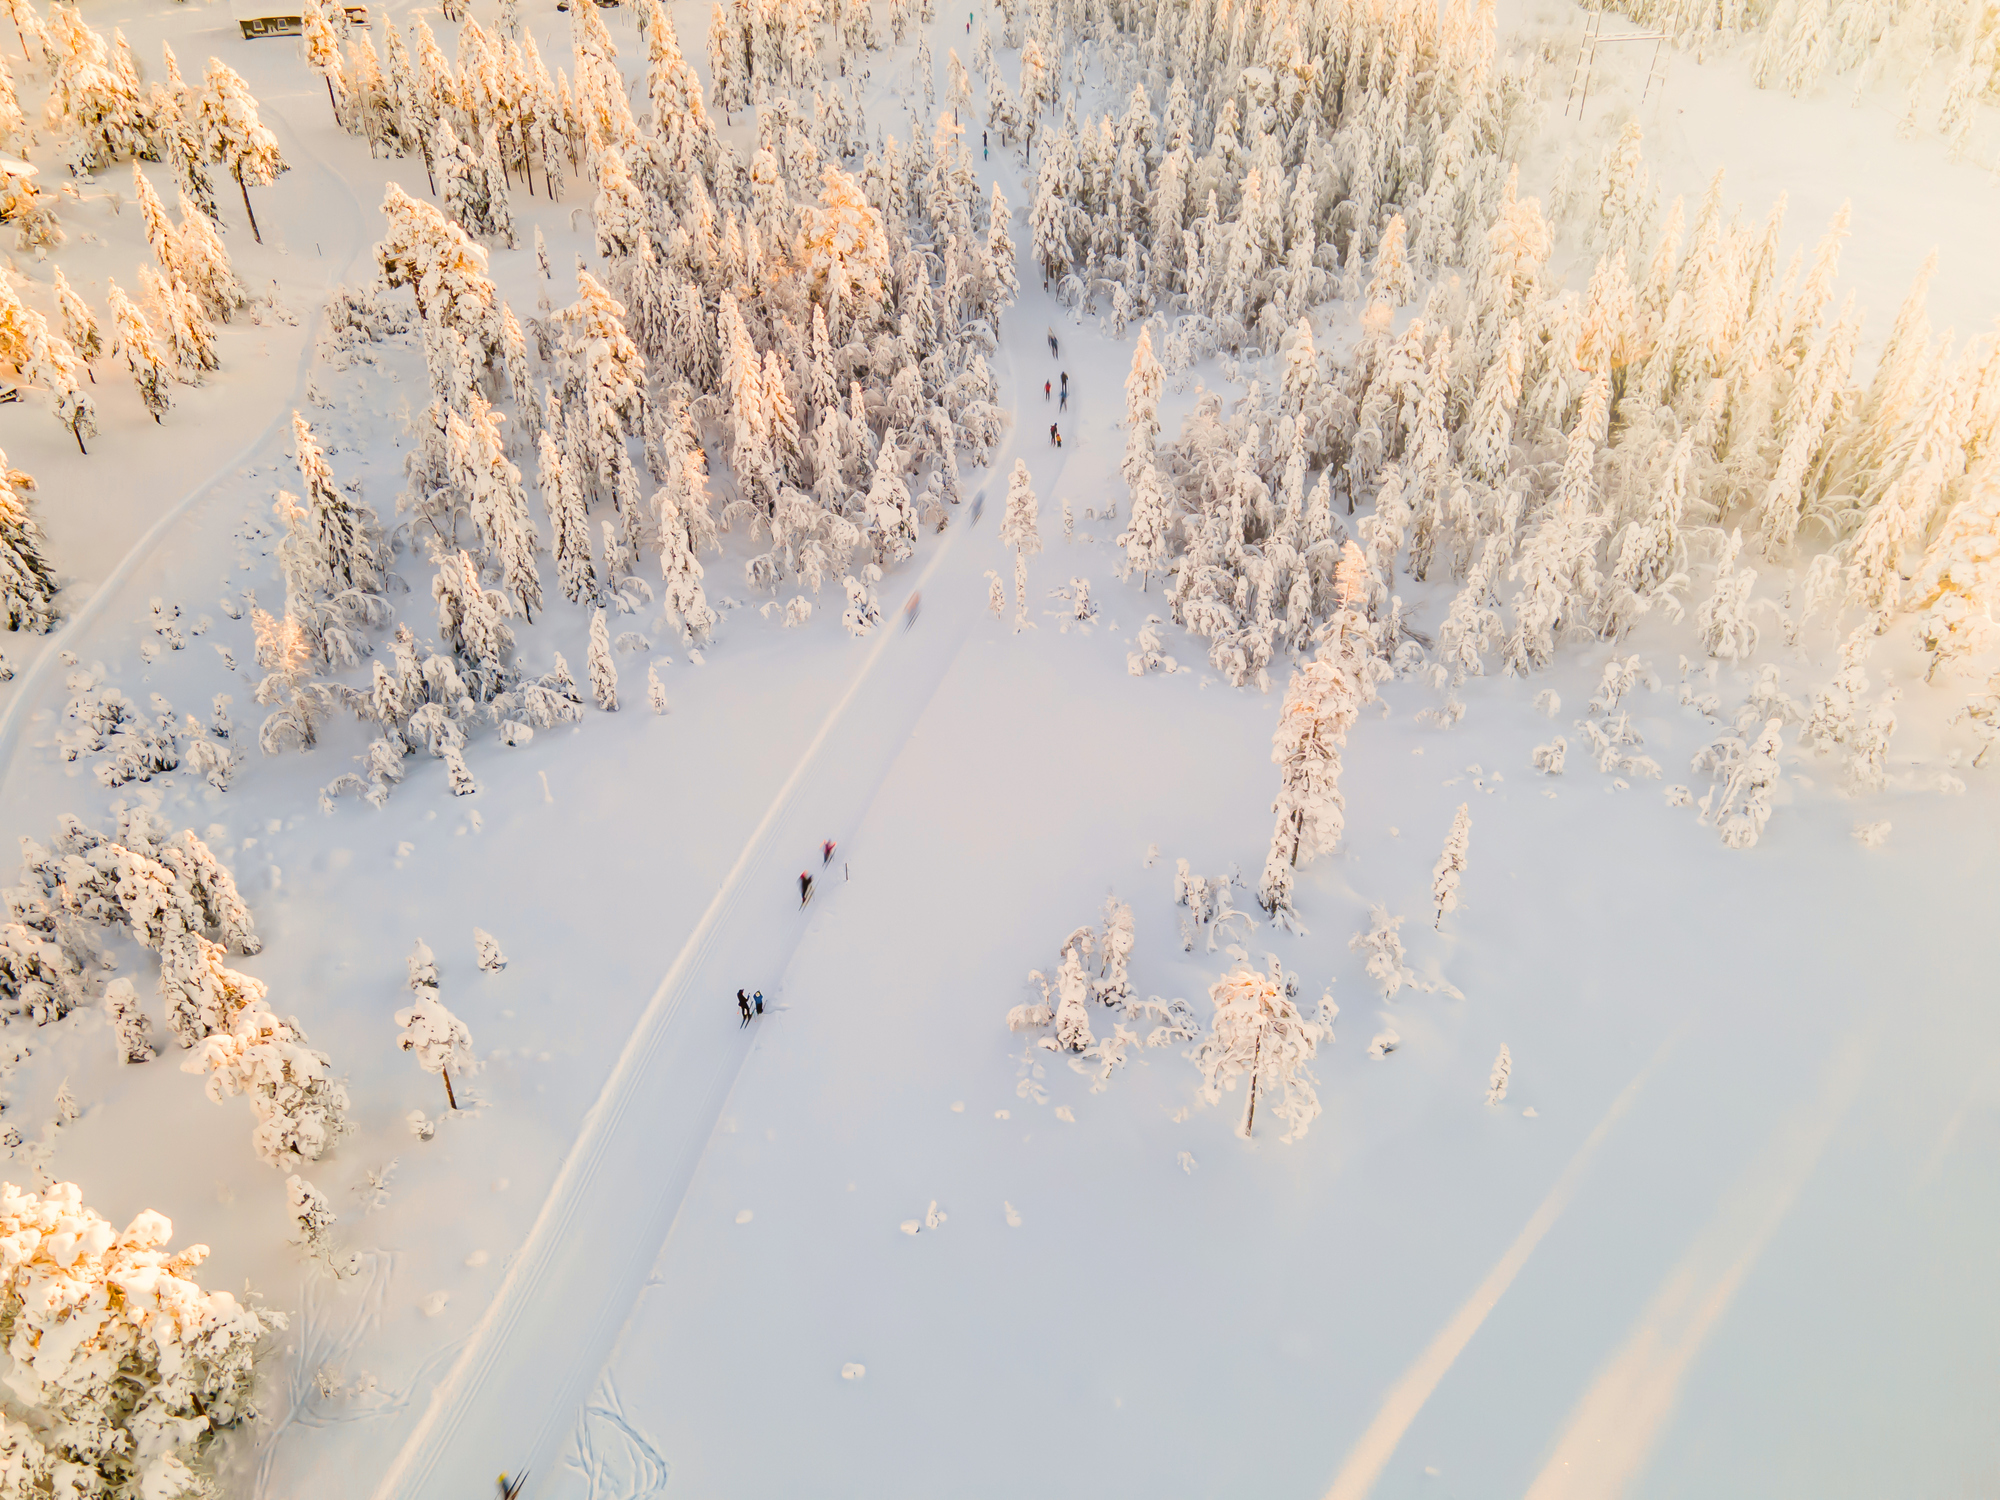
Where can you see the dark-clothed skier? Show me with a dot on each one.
(805, 887)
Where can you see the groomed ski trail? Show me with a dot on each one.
(532, 1361)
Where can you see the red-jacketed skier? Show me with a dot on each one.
(826, 853)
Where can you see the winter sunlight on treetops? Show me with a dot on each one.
(734, 726)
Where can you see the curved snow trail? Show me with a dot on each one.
(1366, 1460)
(75, 626)
(1613, 1428)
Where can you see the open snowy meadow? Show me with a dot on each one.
(1082, 747)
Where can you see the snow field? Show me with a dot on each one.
(1761, 1279)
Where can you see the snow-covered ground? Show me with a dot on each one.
(1725, 1234)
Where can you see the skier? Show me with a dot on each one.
(513, 1491)
(1052, 343)
(983, 152)
(910, 610)
(1058, 437)
(1045, 390)
(805, 887)
(978, 506)
(759, 999)
(1063, 405)
(1065, 380)
(743, 1007)
(1052, 434)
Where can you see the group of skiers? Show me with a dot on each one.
(752, 1005)
(1048, 389)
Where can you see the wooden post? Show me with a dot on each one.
(450, 1097)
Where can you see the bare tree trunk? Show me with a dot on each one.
(242, 188)
(450, 1097)
(1250, 1120)
(333, 101)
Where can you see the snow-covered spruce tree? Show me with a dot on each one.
(1072, 1014)
(476, 458)
(27, 582)
(301, 1108)
(144, 355)
(45, 359)
(124, 1368)
(426, 252)
(472, 620)
(1451, 864)
(1321, 703)
(1257, 1032)
(1114, 942)
(236, 137)
(129, 1022)
(436, 1037)
(603, 670)
(1019, 530)
(332, 558)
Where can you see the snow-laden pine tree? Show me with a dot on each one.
(27, 582)
(1384, 947)
(432, 1034)
(124, 1369)
(79, 322)
(1451, 864)
(1020, 529)
(235, 135)
(1496, 1083)
(1321, 703)
(476, 459)
(426, 252)
(203, 264)
(562, 494)
(1072, 1014)
(1258, 1033)
(603, 670)
(134, 338)
(129, 1022)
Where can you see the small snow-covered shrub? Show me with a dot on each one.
(1385, 951)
